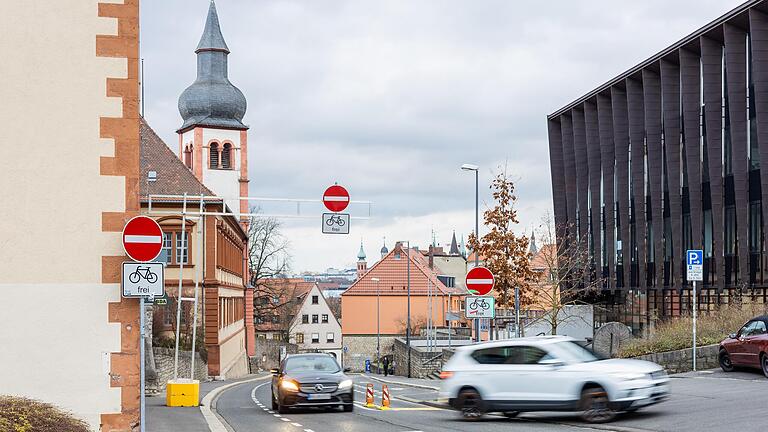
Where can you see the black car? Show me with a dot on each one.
(311, 380)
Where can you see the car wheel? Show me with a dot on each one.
(725, 361)
(349, 408)
(511, 414)
(282, 409)
(764, 364)
(595, 406)
(471, 404)
(274, 402)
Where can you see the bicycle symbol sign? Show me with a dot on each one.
(335, 223)
(143, 279)
(480, 307)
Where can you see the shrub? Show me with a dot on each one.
(711, 328)
(19, 414)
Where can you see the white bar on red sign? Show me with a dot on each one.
(335, 198)
(479, 281)
(142, 239)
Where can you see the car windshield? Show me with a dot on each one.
(311, 364)
(572, 352)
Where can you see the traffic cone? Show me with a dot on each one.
(369, 396)
(384, 397)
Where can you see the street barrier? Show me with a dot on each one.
(384, 397)
(369, 396)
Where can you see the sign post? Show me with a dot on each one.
(480, 282)
(142, 242)
(694, 260)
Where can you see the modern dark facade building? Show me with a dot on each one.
(667, 157)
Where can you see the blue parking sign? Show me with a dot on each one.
(695, 257)
(694, 260)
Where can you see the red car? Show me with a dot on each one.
(747, 348)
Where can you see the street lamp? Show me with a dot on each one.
(378, 328)
(475, 168)
(408, 319)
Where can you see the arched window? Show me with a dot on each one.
(226, 153)
(188, 156)
(214, 159)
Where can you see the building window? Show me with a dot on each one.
(315, 299)
(275, 299)
(315, 338)
(214, 156)
(325, 318)
(730, 230)
(329, 337)
(167, 316)
(226, 154)
(305, 319)
(314, 319)
(182, 248)
(299, 338)
(188, 156)
(275, 319)
(166, 254)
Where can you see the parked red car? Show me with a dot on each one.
(746, 348)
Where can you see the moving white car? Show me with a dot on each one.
(548, 373)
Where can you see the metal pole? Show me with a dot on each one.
(694, 326)
(477, 238)
(378, 328)
(517, 311)
(450, 309)
(408, 329)
(142, 401)
(197, 288)
(181, 277)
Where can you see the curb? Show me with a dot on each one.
(208, 405)
(422, 386)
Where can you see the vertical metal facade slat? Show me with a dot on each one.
(569, 168)
(652, 99)
(621, 153)
(593, 165)
(558, 181)
(607, 161)
(670, 87)
(582, 171)
(690, 87)
(736, 75)
(758, 28)
(711, 60)
(636, 110)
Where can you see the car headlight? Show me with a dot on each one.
(289, 385)
(628, 376)
(347, 383)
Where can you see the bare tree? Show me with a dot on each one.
(275, 304)
(563, 271)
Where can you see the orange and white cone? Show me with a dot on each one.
(385, 400)
(369, 396)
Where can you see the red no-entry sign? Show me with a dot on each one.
(336, 198)
(142, 239)
(479, 281)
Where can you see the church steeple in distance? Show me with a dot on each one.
(212, 100)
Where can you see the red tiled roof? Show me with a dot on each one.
(393, 276)
(285, 288)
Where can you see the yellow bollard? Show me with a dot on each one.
(182, 393)
(369, 396)
(384, 397)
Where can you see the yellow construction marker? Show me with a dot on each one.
(182, 393)
(369, 396)
(384, 398)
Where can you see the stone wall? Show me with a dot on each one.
(268, 353)
(361, 348)
(682, 360)
(423, 362)
(164, 366)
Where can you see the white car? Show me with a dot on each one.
(549, 373)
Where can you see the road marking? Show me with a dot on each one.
(285, 419)
(296, 424)
(277, 415)
(308, 430)
(416, 409)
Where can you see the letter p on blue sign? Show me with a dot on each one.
(695, 257)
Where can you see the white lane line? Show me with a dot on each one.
(277, 415)
(270, 411)
(285, 419)
(308, 430)
(297, 424)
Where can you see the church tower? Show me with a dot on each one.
(213, 141)
(362, 264)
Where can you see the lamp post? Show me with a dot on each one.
(408, 319)
(475, 168)
(378, 327)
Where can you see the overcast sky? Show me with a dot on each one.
(389, 98)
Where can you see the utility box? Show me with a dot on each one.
(182, 393)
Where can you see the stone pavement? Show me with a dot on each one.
(161, 418)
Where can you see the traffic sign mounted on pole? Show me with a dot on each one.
(480, 307)
(142, 239)
(694, 260)
(336, 198)
(143, 280)
(335, 223)
(479, 281)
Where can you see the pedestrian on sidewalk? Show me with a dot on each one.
(386, 366)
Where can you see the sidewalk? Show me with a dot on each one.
(412, 382)
(161, 418)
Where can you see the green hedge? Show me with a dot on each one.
(26, 415)
(676, 333)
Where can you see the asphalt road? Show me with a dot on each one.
(705, 401)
